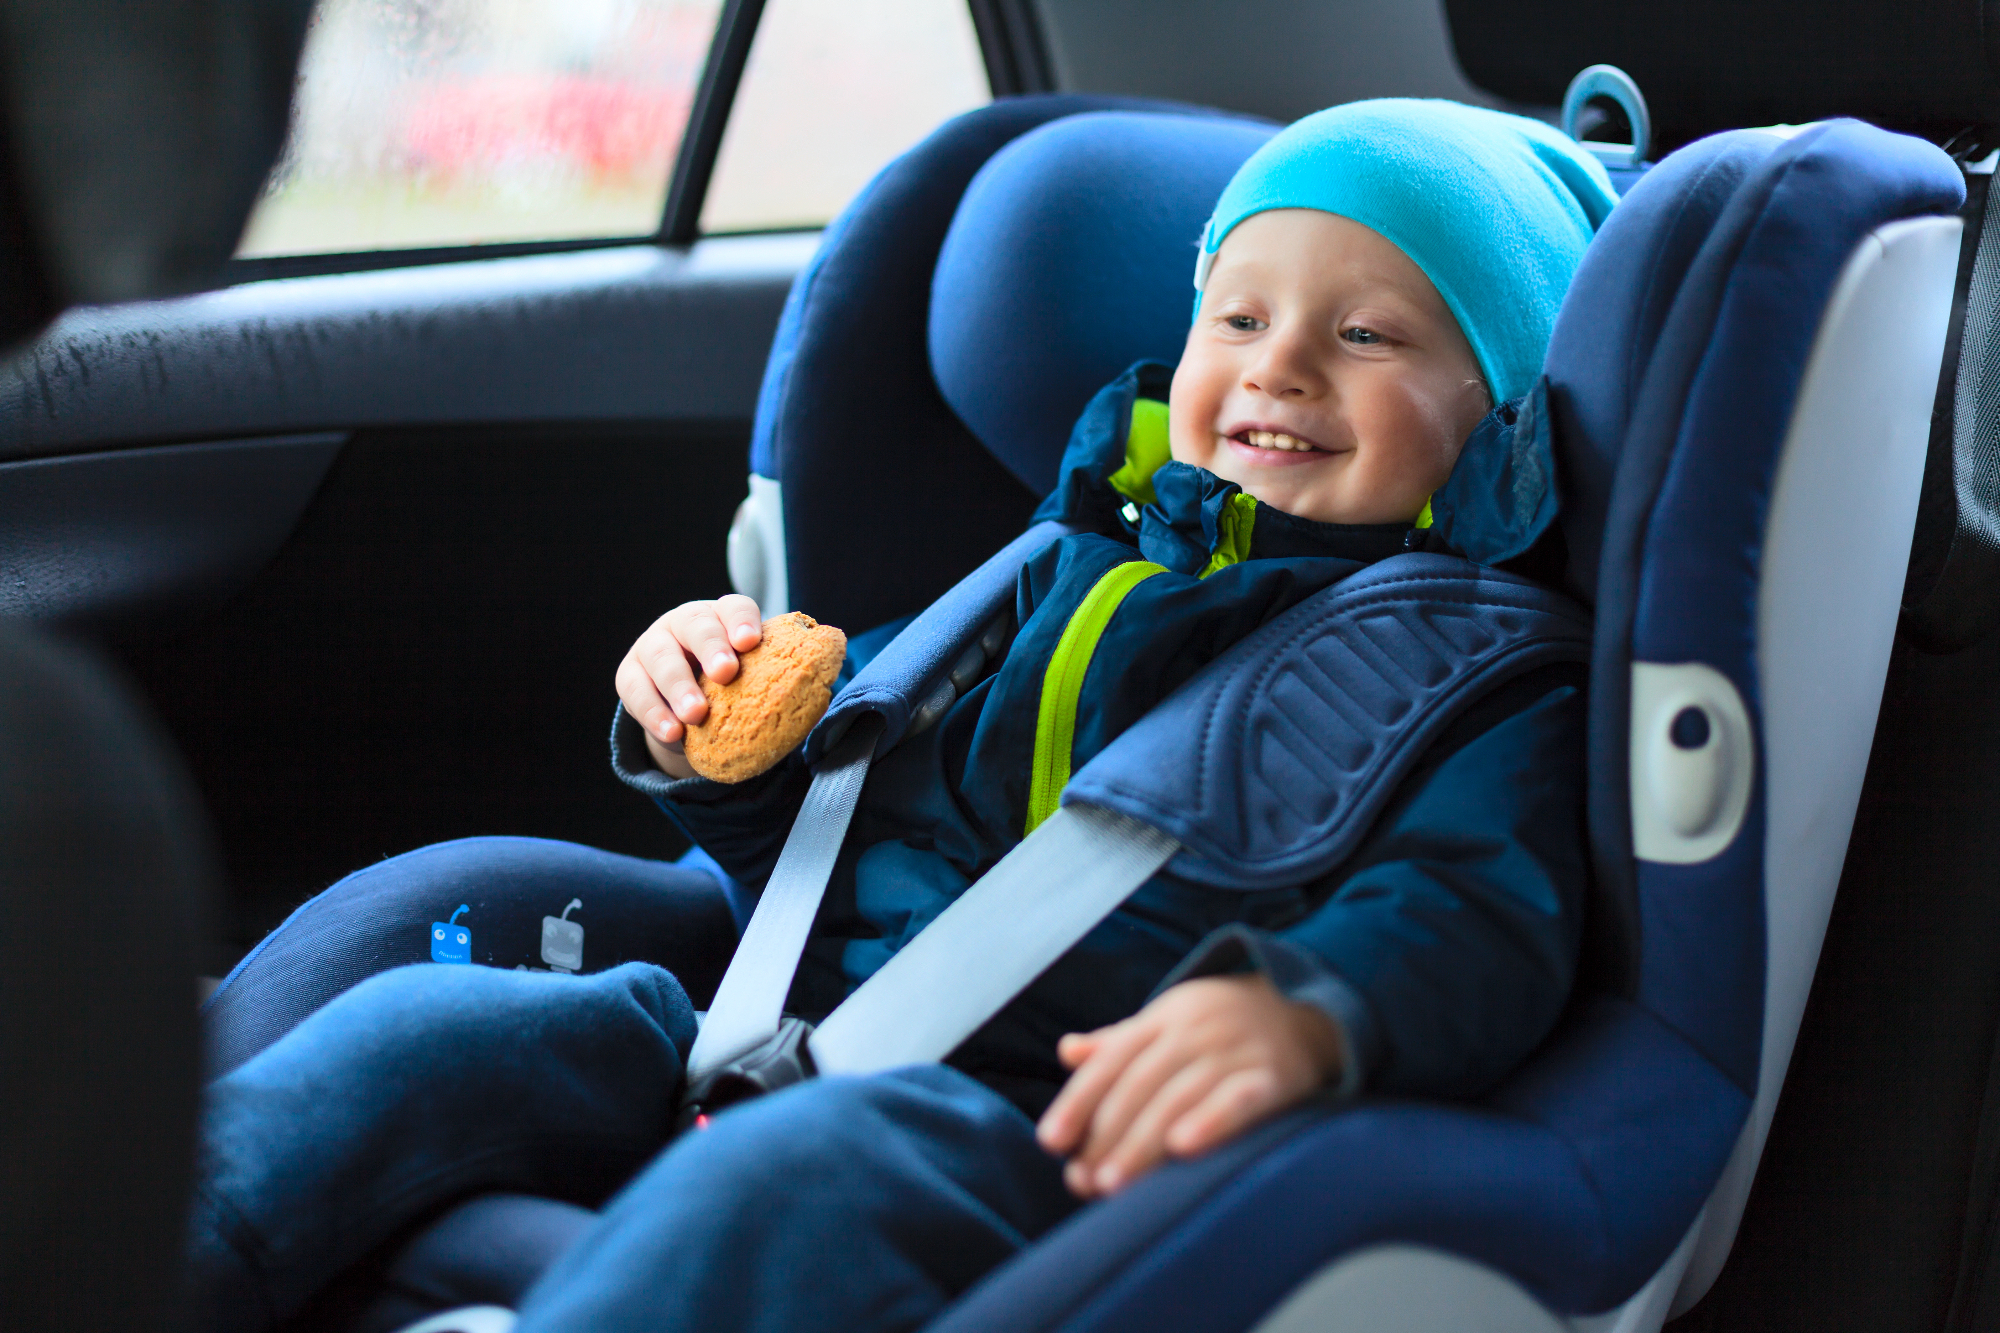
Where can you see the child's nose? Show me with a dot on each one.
(1287, 367)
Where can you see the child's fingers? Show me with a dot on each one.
(1143, 1076)
(1237, 1101)
(642, 700)
(701, 633)
(1076, 1047)
(665, 663)
(1069, 1115)
(742, 624)
(1144, 1144)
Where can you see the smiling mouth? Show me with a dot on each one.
(1276, 439)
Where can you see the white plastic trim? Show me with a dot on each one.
(470, 1319)
(1687, 800)
(1836, 545)
(756, 548)
(1409, 1289)
(1647, 1310)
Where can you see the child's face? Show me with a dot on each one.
(1324, 375)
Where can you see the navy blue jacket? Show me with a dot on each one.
(1444, 947)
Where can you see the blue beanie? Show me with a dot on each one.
(1495, 209)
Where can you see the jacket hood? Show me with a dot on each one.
(1118, 478)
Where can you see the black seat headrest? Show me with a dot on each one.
(1924, 66)
(134, 139)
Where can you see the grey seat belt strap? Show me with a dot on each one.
(984, 949)
(751, 999)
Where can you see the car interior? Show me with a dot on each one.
(357, 529)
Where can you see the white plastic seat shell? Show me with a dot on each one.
(1836, 545)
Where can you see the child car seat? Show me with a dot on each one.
(1741, 463)
(1740, 382)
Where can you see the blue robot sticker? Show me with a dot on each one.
(562, 939)
(451, 942)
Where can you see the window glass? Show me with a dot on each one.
(833, 90)
(456, 122)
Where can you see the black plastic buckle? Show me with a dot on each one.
(780, 1061)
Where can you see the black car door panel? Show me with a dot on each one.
(627, 333)
(123, 541)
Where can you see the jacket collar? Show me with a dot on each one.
(1118, 478)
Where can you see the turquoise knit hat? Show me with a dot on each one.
(1495, 209)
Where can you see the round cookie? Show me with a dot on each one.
(780, 690)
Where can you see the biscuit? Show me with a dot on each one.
(781, 688)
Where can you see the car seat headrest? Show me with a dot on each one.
(1924, 66)
(1611, 319)
(135, 139)
(1069, 259)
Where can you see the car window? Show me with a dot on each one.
(832, 91)
(421, 123)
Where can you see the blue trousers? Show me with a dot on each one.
(849, 1204)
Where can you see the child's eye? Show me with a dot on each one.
(1361, 337)
(1243, 323)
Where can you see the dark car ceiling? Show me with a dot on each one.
(1276, 58)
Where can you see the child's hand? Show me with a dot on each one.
(656, 681)
(1196, 1067)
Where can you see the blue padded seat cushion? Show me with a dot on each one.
(1678, 575)
(1071, 257)
(1576, 1180)
(889, 498)
(1271, 764)
(1769, 224)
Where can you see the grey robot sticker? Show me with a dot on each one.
(562, 939)
(452, 943)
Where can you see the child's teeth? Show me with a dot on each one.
(1271, 439)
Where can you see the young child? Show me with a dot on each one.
(1377, 277)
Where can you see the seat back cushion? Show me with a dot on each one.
(1071, 257)
(889, 498)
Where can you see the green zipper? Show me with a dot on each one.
(1062, 684)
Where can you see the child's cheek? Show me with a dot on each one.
(1192, 406)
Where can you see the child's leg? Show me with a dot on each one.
(417, 1087)
(846, 1204)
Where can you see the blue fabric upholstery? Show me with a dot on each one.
(1575, 1180)
(1070, 258)
(380, 917)
(1677, 577)
(889, 499)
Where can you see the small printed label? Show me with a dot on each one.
(562, 939)
(450, 941)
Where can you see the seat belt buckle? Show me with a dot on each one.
(779, 1061)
